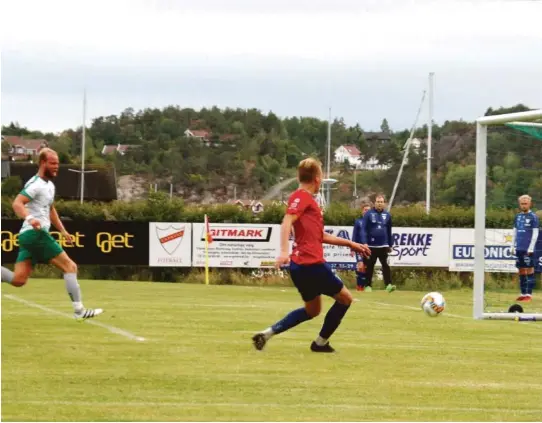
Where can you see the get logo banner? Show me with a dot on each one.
(121, 243)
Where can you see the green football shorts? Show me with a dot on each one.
(38, 246)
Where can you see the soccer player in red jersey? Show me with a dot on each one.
(311, 275)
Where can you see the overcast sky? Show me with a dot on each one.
(367, 59)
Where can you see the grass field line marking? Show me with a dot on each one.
(111, 329)
(276, 405)
(415, 308)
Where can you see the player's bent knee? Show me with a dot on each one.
(72, 267)
(344, 297)
(313, 309)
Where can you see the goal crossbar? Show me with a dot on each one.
(480, 211)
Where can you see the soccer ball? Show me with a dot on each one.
(433, 304)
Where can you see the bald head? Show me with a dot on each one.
(45, 153)
(48, 162)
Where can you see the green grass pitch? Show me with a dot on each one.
(197, 361)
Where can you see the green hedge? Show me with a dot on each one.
(159, 208)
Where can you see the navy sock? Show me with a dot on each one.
(523, 284)
(531, 282)
(333, 319)
(291, 320)
(361, 278)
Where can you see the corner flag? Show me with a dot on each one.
(208, 240)
(208, 236)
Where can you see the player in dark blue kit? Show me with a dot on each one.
(376, 233)
(361, 277)
(526, 232)
(310, 273)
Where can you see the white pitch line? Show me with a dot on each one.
(111, 329)
(276, 405)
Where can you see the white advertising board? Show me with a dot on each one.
(412, 247)
(170, 244)
(498, 251)
(236, 245)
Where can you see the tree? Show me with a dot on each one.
(384, 126)
(12, 186)
(6, 147)
(458, 186)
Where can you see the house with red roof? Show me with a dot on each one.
(21, 148)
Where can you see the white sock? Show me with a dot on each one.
(268, 333)
(77, 305)
(320, 341)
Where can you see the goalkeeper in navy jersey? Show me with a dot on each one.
(376, 233)
(526, 229)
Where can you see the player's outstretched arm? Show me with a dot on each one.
(341, 242)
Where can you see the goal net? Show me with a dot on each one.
(508, 165)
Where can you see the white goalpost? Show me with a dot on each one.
(480, 211)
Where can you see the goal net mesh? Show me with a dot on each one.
(514, 168)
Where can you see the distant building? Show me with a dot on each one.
(351, 155)
(253, 205)
(119, 148)
(21, 148)
(377, 136)
(348, 153)
(209, 139)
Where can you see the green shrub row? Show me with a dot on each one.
(159, 208)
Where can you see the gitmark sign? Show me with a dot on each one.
(236, 245)
(170, 244)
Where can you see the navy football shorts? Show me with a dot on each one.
(313, 280)
(524, 260)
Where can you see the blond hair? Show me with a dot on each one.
(45, 153)
(308, 170)
(525, 197)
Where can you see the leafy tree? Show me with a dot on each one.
(11, 186)
(384, 126)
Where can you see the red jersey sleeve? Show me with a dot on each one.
(298, 203)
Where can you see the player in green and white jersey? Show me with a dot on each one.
(35, 204)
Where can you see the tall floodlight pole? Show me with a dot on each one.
(406, 149)
(327, 182)
(429, 140)
(83, 146)
(355, 182)
(329, 145)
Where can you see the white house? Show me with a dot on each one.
(416, 143)
(119, 148)
(352, 155)
(372, 164)
(348, 153)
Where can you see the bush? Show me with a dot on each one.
(159, 208)
(12, 186)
